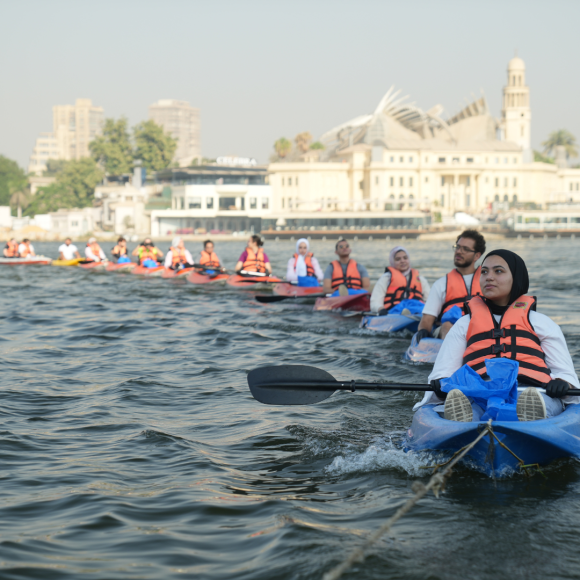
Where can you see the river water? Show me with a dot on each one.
(131, 447)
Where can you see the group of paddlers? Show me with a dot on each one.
(24, 249)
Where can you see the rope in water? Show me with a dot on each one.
(436, 483)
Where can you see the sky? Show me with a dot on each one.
(262, 69)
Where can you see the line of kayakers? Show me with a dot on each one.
(24, 249)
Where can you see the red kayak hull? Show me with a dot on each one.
(126, 266)
(198, 278)
(251, 282)
(293, 291)
(355, 303)
(169, 273)
(24, 262)
(144, 271)
(94, 265)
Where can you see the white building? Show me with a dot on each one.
(74, 223)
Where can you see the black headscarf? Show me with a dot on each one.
(519, 272)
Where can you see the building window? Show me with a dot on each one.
(577, 186)
(505, 197)
(290, 204)
(515, 199)
(392, 159)
(183, 203)
(456, 160)
(469, 160)
(410, 182)
(426, 179)
(467, 200)
(282, 182)
(209, 202)
(515, 181)
(392, 181)
(265, 203)
(282, 203)
(442, 180)
(496, 197)
(505, 159)
(194, 203)
(361, 184)
(468, 181)
(515, 160)
(571, 187)
(441, 159)
(497, 159)
(376, 179)
(410, 160)
(401, 181)
(505, 181)
(74, 224)
(401, 159)
(253, 203)
(497, 184)
(296, 182)
(426, 159)
(289, 181)
(442, 200)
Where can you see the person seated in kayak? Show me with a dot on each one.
(208, 258)
(178, 257)
(119, 252)
(504, 323)
(454, 289)
(303, 264)
(253, 258)
(148, 252)
(11, 249)
(26, 249)
(345, 271)
(68, 251)
(93, 252)
(399, 282)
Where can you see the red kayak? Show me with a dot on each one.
(169, 273)
(199, 278)
(354, 303)
(294, 291)
(32, 261)
(251, 282)
(126, 266)
(144, 271)
(94, 265)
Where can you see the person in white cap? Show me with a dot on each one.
(303, 263)
(178, 257)
(93, 251)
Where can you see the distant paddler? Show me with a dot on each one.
(26, 249)
(399, 283)
(93, 252)
(209, 258)
(178, 257)
(449, 294)
(68, 251)
(303, 267)
(119, 252)
(147, 254)
(345, 272)
(11, 249)
(253, 258)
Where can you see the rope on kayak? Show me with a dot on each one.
(436, 483)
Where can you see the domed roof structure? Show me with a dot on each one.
(516, 63)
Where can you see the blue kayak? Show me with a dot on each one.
(389, 323)
(535, 442)
(425, 351)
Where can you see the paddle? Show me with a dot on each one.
(304, 385)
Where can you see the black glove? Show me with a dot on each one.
(436, 384)
(557, 388)
(421, 334)
(383, 312)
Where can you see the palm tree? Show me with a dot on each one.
(303, 141)
(20, 199)
(561, 138)
(282, 147)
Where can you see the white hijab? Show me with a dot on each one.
(395, 251)
(301, 263)
(175, 242)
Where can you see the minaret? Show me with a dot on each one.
(516, 113)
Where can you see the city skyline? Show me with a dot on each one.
(255, 86)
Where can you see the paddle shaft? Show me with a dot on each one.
(345, 385)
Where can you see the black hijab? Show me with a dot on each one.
(519, 272)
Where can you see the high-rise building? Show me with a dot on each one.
(181, 121)
(73, 128)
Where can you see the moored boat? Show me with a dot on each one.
(32, 261)
(534, 442)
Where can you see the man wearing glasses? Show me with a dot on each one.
(345, 272)
(454, 289)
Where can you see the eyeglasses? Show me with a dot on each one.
(463, 249)
(342, 247)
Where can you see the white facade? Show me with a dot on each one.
(46, 148)
(73, 222)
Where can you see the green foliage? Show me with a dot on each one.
(282, 147)
(316, 145)
(561, 138)
(51, 198)
(53, 167)
(12, 179)
(542, 158)
(154, 147)
(303, 141)
(113, 148)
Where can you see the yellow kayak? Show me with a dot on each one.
(74, 262)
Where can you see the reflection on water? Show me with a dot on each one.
(132, 448)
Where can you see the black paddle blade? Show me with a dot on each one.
(270, 298)
(290, 385)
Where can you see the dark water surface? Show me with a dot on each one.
(131, 448)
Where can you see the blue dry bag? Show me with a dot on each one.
(123, 260)
(452, 315)
(150, 263)
(308, 281)
(351, 292)
(414, 307)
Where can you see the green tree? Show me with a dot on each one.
(542, 158)
(153, 146)
(282, 147)
(561, 138)
(316, 145)
(12, 179)
(51, 198)
(113, 149)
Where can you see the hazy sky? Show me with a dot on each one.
(262, 69)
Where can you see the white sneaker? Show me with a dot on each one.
(458, 407)
(531, 405)
(342, 290)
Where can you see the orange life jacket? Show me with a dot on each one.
(12, 249)
(308, 261)
(147, 253)
(352, 278)
(402, 288)
(119, 250)
(209, 260)
(254, 262)
(96, 249)
(26, 251)
(513, 337)
(456, 292)
(177, 256)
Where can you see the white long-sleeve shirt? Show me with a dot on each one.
(380, 291)
(434, 304)
(90, 256)
(169, 258)
(291, 275)
(558, 359)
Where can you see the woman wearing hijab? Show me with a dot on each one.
(178, 257)
(303, 264)
(504, 323)
(399, 282)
